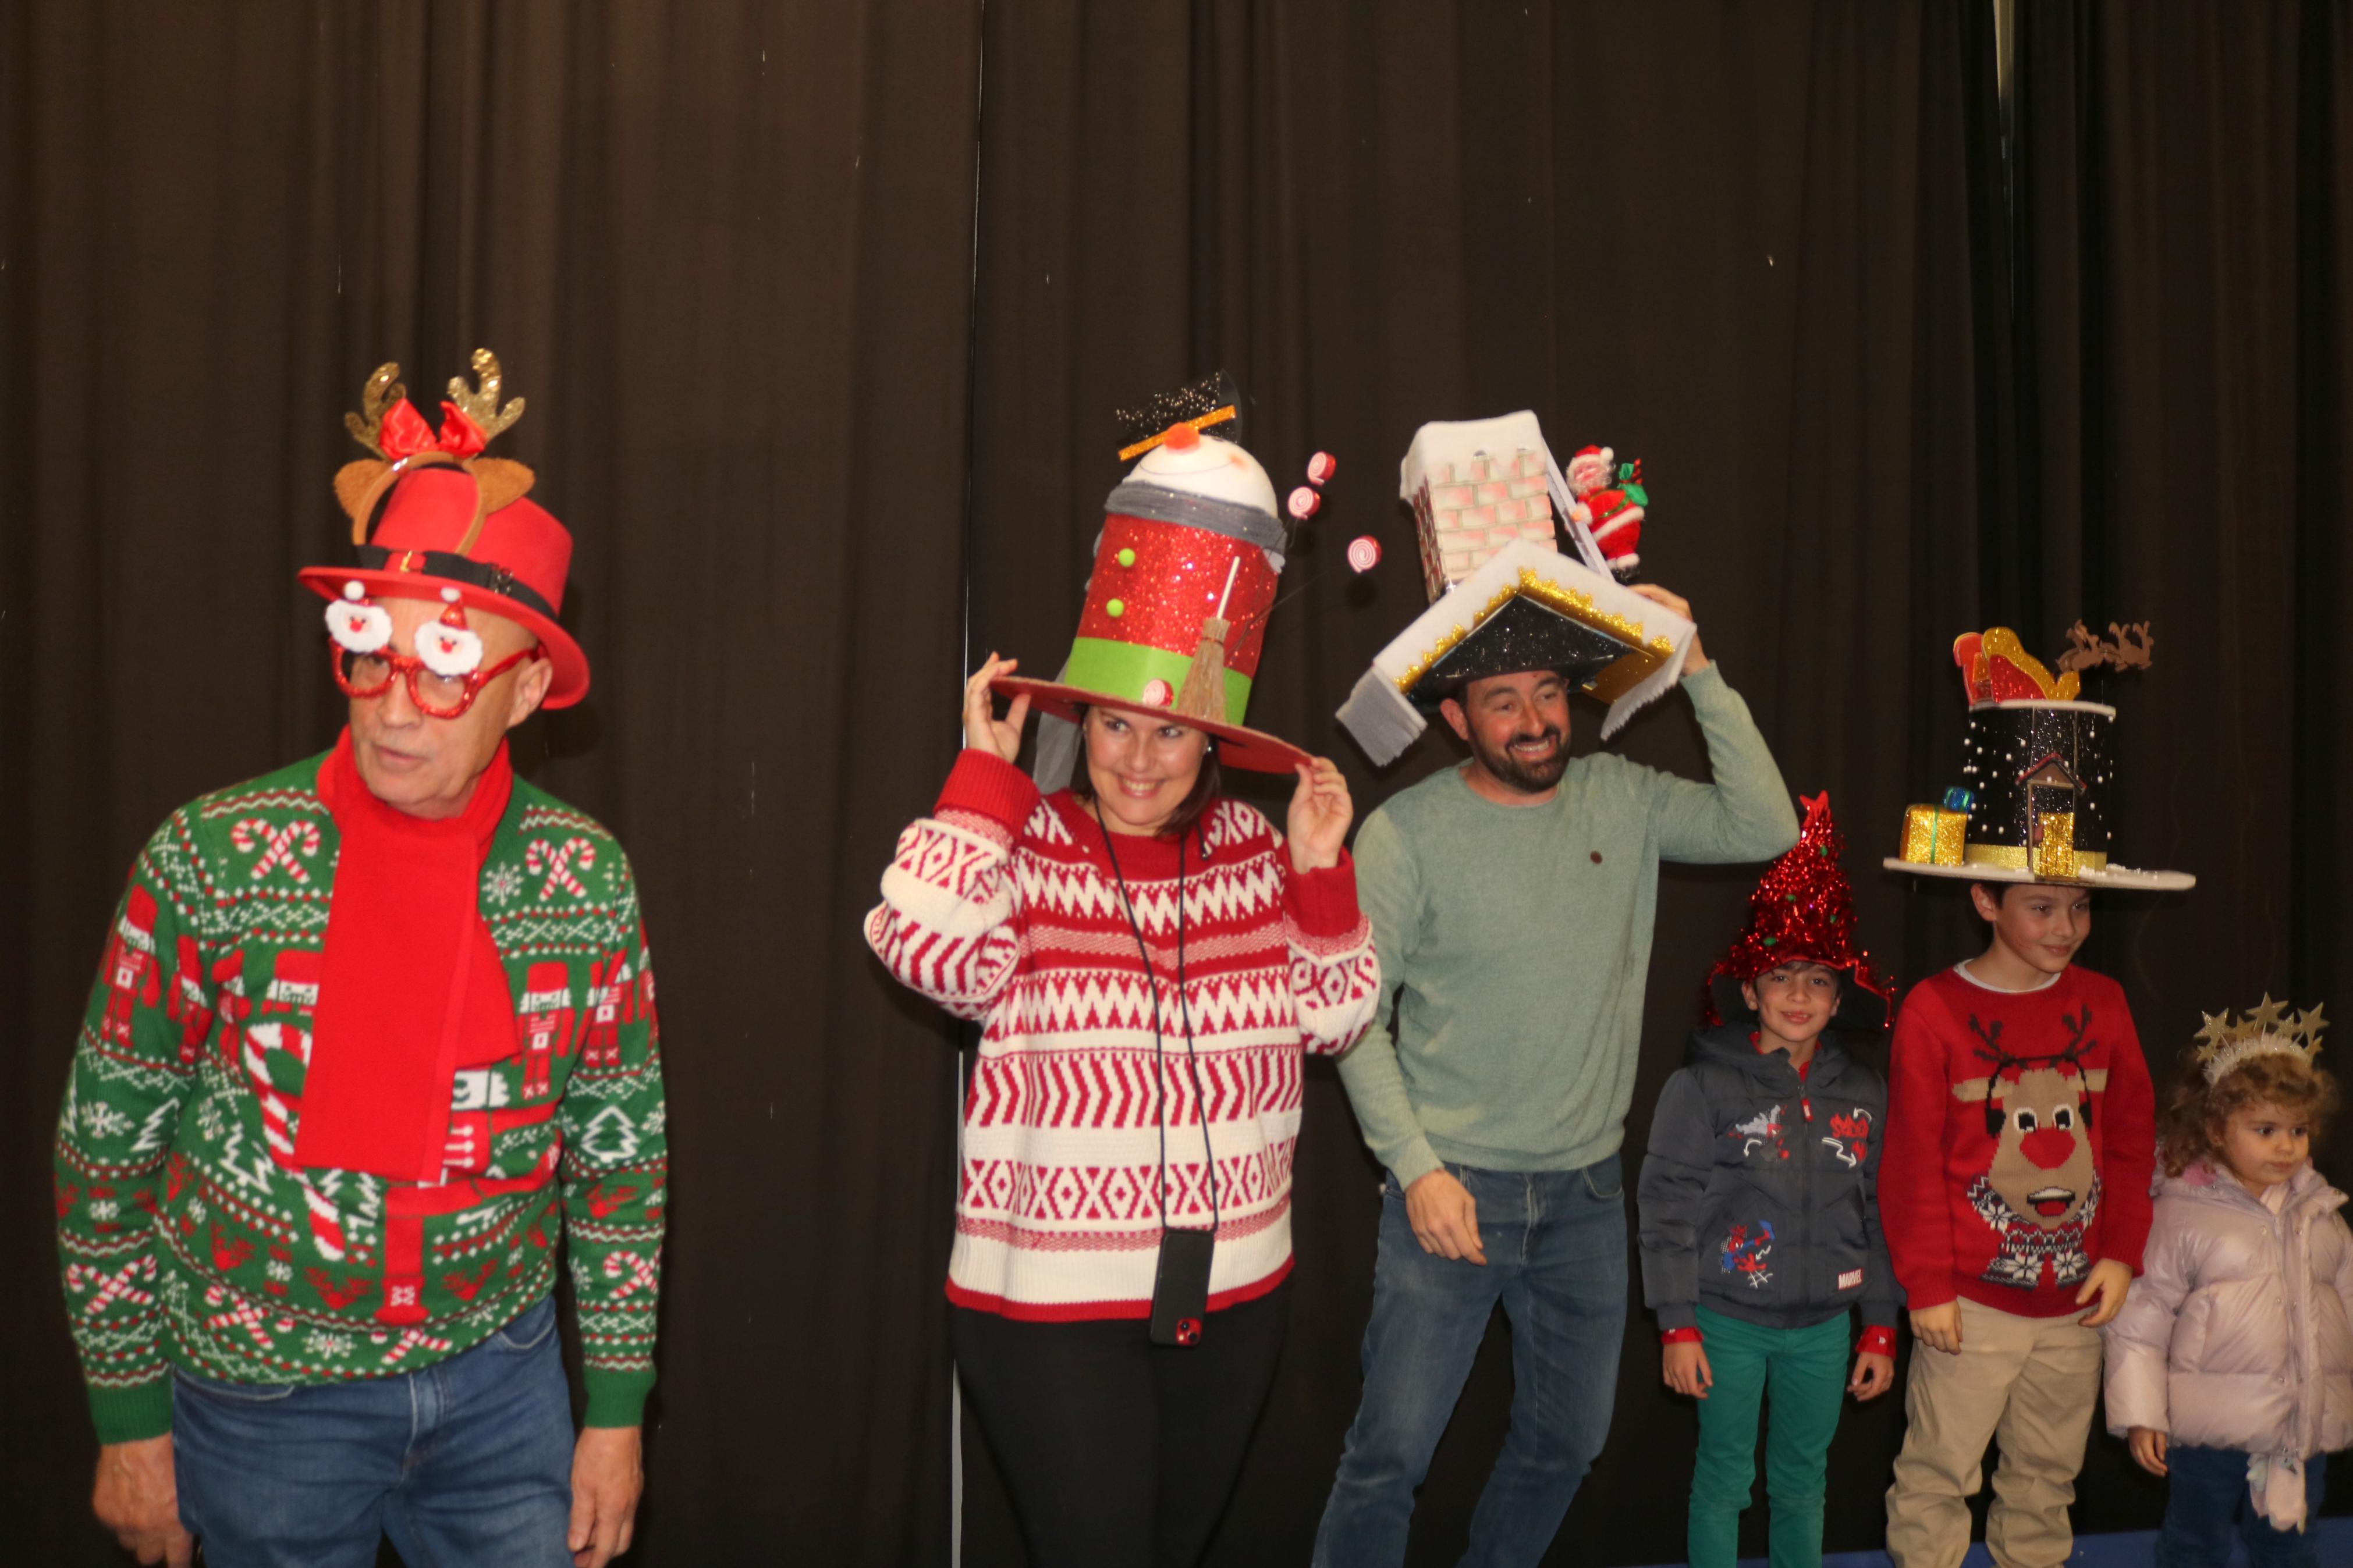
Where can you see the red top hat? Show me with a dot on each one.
(456, 525)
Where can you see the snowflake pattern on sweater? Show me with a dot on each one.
(188, 1233)
(1004, 909)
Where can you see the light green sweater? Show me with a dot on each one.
(1515, 942)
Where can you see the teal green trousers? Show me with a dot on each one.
(1801, 1375)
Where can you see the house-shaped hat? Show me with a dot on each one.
(2038, 768)
(1486, 494)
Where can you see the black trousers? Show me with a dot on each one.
(1119, 1453)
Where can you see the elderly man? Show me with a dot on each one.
(1511, 900)
(373, 1035)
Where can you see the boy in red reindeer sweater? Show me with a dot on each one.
(2013, 1190)
(2013, 1181)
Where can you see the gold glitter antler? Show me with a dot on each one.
(482, 406)
(382, 391)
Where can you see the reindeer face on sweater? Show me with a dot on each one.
(2039, 1111)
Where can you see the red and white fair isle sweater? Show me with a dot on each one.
(1002, 908)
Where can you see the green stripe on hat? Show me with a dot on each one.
(1122, 670)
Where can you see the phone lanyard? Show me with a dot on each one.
(1185, 1011)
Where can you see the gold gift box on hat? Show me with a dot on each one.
(2053, 853)
(1933, 834)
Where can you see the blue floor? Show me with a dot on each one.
(2137, 1549)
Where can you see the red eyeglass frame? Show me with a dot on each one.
(406, 666)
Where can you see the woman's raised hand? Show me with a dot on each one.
(1320, 812)
(983, 731)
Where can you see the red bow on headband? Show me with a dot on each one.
(403, 433)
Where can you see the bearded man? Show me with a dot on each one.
(372, 1041)
(1511, 900)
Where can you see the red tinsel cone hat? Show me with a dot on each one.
(1803, 909)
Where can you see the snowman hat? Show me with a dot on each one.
(1185, 568)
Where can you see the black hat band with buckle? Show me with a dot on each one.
(486, 574)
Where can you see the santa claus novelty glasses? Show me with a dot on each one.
(444, 676)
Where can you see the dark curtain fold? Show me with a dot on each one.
(1734, 242)
(725, 252)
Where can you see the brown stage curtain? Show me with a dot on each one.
(1732, 241)
(725, 251)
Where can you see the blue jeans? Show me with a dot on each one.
(1555, 1244)
(2204, 1487)
(466, 1461)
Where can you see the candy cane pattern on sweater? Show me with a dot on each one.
(414, 1339)
(278, 846)
(281, 1119)
(246, 1314)
(558, 863)
(111, 1288)
(643, 1275)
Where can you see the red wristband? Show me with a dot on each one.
(1877, 1340)
(1678, 1337)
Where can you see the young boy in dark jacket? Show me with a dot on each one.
(1759, 1213)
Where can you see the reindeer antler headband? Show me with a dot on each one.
(2225, 1044)
(472, 417)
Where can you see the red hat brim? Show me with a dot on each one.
(1253, 749)
(571, 681)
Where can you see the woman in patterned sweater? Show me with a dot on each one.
(1147, 961)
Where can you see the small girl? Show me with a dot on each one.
(2230, 1369)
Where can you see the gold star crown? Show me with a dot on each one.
(2225, 1043)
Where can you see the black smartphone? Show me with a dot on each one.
(1181, 1288)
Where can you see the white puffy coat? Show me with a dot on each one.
(2239, 1333)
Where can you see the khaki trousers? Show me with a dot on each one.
(2028, 1384)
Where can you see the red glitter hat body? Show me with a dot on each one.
(1803, 910)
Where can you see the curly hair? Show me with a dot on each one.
(2196, 1113)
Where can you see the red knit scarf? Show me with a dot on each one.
(408, 980)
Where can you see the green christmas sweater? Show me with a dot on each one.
(188, 1235)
